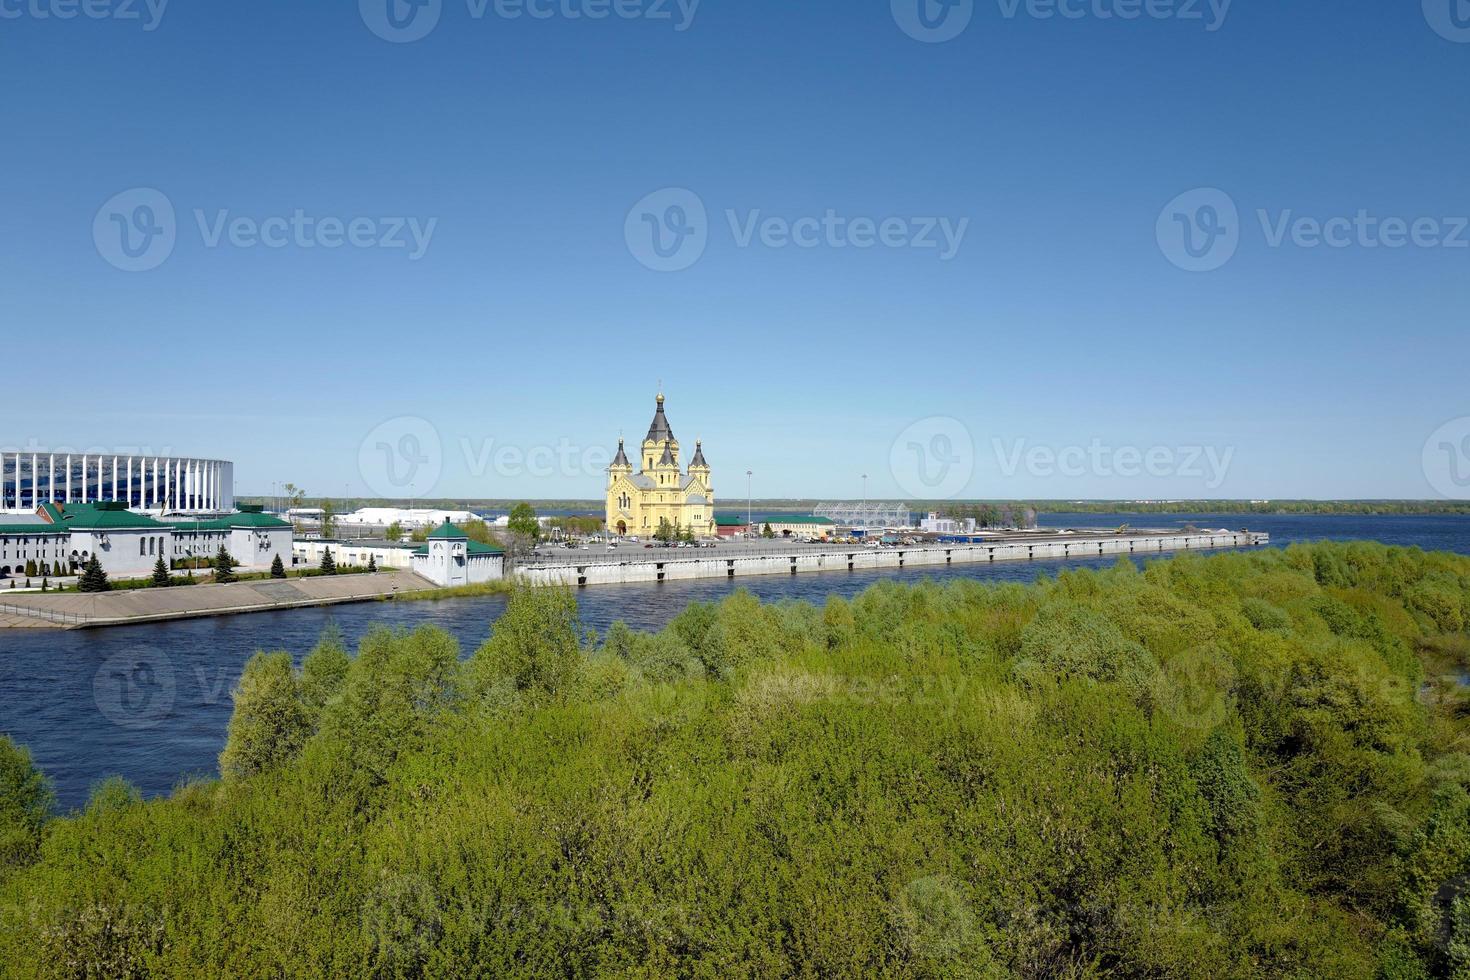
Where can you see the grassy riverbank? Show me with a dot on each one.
(497, 587)
(1249, 764)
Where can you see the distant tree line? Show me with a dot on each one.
(991, 515)
(1364, 507)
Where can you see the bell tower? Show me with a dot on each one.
(697, 466)
(660, 440)
(620, 465)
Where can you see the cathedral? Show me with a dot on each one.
(661, 490)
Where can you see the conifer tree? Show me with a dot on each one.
(329, 564)
(372, 563)
(224, 566)
(278, 568)
(93, 579)
(160, 573)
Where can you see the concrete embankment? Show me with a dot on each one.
(592, 570)
(74, 610)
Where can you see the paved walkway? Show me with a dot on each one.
(75, 610)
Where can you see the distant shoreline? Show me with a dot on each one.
(1375, 508)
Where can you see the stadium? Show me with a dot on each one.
(155, 484)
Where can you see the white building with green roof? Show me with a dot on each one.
(64, 537)
(449, 558)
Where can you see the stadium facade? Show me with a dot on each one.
(154, 484)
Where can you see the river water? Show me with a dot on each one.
(151, 702)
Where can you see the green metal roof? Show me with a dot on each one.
(9, 529)
(448, 531)
(244, 520)
(729, 520)
(104, 515)
(108, 515)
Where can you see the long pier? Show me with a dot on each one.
(676, 565)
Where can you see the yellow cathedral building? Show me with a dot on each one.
(661, 490)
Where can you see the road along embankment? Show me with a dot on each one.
(71, 610)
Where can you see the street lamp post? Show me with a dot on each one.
(748, 474)
(864, 511)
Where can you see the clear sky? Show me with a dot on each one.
(977, 282)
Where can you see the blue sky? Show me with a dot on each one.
(530, 152)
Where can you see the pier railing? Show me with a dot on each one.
(662, 555)
(49, 615)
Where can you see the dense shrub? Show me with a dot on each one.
(25, 803)
(1243, 765)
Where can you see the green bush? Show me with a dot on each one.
(1263, 615)
(271, 722)
(25, 803)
